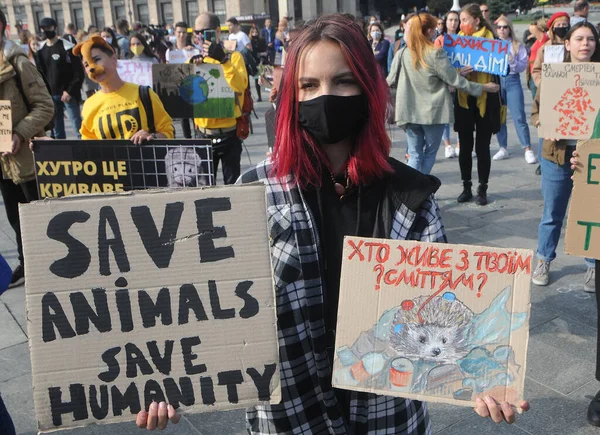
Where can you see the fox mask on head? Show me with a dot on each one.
(85, 49)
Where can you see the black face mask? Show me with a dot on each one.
(561, 32)
(331, 118)
(49, 34)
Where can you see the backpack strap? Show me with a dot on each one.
(147, 103)
(20, 86)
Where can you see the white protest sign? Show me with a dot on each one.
(181, 56)
(554, 53)
(149, 296)
(5, 126)
(135, 71)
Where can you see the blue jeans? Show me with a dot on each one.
(512, 94)
(72, 108)
(6, 424)
(446, 134)
(423, 144)
(556, 190)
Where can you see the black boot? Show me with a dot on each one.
(466, 194)
(482, 194)
(593, 412)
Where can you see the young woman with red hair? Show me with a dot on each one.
(331, 176)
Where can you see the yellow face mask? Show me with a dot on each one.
(137, 49)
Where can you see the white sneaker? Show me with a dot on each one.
(501, 154)
(530, 157)
(457, 151)
(541, 274)
(449, 153)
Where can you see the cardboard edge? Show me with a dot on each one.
(577, 176)
(137, 192)
(276, 396)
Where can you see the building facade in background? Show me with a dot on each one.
(102, 13)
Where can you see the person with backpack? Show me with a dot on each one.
(32, 109)
(63, 70)
(225, 133)
(105, 112)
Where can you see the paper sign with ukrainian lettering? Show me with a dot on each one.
(135, 71)
(69, 167)
(570, 101)
(149, 296)
(5, 126)
(435, 322)
(483, 54)
(583, 224)
(194, 91)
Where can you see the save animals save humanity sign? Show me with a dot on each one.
(435, 322)
(483, 54)
(149, 296)
(570, 101)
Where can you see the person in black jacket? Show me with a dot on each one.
(64, 73)
(259, 52)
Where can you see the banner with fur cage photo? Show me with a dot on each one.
(435, 322)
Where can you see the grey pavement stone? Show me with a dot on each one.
(217, 423)
(14, 362)
(11, 331)
(14, 299)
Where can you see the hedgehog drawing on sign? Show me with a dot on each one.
(435, 345)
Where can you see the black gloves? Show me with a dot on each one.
(216, 52)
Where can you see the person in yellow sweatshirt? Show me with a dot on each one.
(118, 110)
(227, 147)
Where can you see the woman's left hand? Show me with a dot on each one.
(489, 407)
(575, 164)
(140, 136)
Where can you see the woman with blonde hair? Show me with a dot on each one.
(511, 93)
(422, 73)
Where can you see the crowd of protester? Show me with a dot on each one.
(331, 117)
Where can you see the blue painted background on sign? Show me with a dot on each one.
(484, 55)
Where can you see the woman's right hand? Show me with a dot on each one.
(157, 417)
(37, 138)
(491, 87)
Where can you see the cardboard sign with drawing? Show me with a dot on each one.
(149, 296)
(435, 322)
(194, 91)
(570, 101)
(583, 223)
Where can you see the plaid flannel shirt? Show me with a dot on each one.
(308, 404)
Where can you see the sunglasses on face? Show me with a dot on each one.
(502, 27)
(483, 11)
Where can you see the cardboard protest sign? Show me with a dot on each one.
(5, 126)
(484, 55)
(583, 222)
(194, 91)
(149, 296)
(180, 56)
(435, 322)
(135, 71)
(68, 167)
(569, 101)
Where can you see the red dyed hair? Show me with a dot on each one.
(296, 152)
